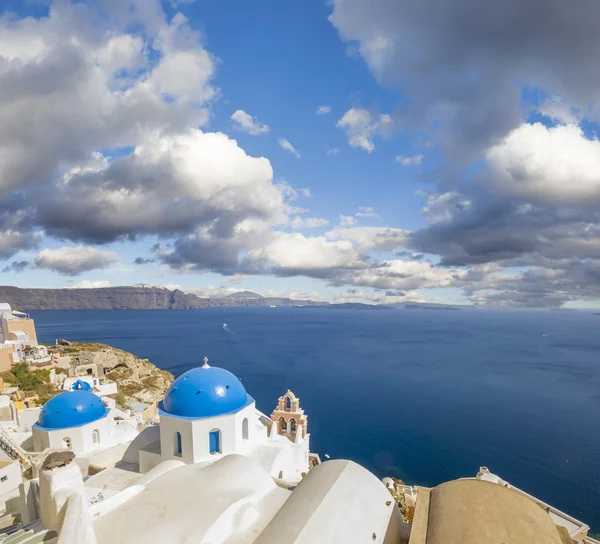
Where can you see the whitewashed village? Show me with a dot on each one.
(204, 464)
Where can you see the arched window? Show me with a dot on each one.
(214, 441)
(288, 403)
(245, 429)
(177, 445)
(95, 436)
(280, 475)
(67, 443)
(293, 425)
(282, 425)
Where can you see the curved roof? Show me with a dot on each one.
(471, 510)
(71, 409)
(80, 385)
(337, 502)
(205, 392)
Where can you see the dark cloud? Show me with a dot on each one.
(394, 294)
(16, 266)
(141, 260)
(507, 230)
(458, 66)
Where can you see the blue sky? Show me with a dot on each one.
(453, 159)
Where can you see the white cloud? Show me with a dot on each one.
(409, 161)
(246, 123)
(332, 151)
(559, 111)
(285, 144)
(90, 284)
(347, 220)
(371, 238)
(308, 222)
(294, 253)
(366, 211)
(186, 68)
(556, 165)
(362, 126)
(323, 110)
(74, 260)
(170, 183)
(399, 274)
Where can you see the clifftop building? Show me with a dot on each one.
(18, 338)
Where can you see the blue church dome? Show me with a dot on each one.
(80, 385)
(71, 409)
(205, 392)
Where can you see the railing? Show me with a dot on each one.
(14, 451)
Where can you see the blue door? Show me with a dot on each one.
(215, 441)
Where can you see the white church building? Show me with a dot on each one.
(207, 414)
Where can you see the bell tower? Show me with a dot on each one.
(288, 419)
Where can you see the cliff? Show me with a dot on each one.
(138, 379)
(130, 298)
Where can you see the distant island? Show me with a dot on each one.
(136, 297)
(356, 306)
(423, 306)
(147, 297)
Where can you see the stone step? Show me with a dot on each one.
(10, 529)
(16, 537)
(7, 521)
(44, 537)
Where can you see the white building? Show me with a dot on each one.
(207, 414)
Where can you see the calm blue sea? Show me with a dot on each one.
(426, 396)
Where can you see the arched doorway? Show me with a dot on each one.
(177, 446)
(245, 429)
(96, 436)
(214, 439)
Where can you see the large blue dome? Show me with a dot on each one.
(205, 392)
(71, 409)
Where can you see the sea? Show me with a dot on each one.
(422, 395)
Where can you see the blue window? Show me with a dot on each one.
(177, 445)
(215, 441)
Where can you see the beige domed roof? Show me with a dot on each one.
(479, 512)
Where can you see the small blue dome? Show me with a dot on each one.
(81, 386)
(205, 392)
(71, 409)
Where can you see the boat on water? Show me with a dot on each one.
(224, 325)
(272, 306)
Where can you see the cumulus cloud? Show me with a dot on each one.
(347, 220)
(16, 266)
(75, 260)
(90, 284)
(285, 144)
(361, 126)
(142, 260)
(169, 184)
(552, 165)
(308, 222)
(323, 110)
(409, 161)
(246, 123)
(460, 70)
(366, 211)
(371, 238)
